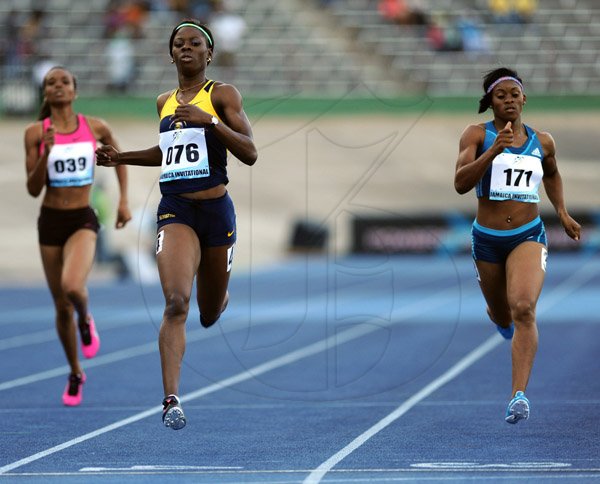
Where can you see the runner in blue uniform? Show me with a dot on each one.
(199, 122)
(505, 161)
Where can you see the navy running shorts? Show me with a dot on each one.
(494, 245)
(213, 220)
(55, 225)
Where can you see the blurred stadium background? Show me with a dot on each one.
(357, 118)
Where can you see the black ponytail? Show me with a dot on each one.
(44, 111)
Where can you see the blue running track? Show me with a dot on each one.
(357, 369)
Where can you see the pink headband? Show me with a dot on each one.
(506, 78)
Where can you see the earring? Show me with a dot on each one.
(172, 61)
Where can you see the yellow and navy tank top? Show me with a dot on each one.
(72, 157)
(516, 173)
(193, 159)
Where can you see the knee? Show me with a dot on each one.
(176, 307)
(523, 311)
(72, 291)
(64, 309)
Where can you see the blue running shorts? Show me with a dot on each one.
(494, 245)
(213, 220)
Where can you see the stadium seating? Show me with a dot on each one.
(557, 52)
(295, 46)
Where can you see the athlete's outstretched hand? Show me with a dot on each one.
(107, 155)
(572, 228)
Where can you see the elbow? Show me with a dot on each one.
(249, 158)
(33, 191)
(460, 188)
(253, 159)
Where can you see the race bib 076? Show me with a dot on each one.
(184, 154)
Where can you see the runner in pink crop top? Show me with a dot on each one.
(71, 160)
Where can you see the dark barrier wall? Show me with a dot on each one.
(427, 233)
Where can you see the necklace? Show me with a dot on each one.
(192, 87)
(72, 118)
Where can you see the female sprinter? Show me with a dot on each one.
(59, 155)
(505, 161)
(199, 122)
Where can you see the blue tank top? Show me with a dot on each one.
(193, 159)
(516, 173)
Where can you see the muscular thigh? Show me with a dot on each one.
(493, 284)
(78, 257)
(525, 271)
(52, 260)
(213, 276)
(178, 258)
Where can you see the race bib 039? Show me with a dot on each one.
(71, 165)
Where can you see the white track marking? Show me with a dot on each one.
(537, 472)
(316, 475)
(417, 307)
(560, 292)
(268, 314)
(483, 349)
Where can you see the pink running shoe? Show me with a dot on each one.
(73, 393)
(90, 341)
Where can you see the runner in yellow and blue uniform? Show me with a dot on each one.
(506, 161)
(194, 160)
(199, 122)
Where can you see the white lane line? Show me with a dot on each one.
(113, 357)
(44, 336)
(125, 319)
(236, 320)
(569, 285)
(316, 475)
(560, 292)
(267, 316)
(497, 472)
(100, 310)
(158, 468)
(50, 336)
(417, 307)
(78, 440)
